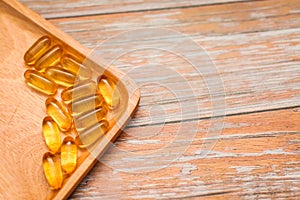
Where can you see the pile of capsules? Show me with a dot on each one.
(76, 105)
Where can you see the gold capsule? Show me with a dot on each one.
(85, 104)
(78, 91)
(50, 58)
(68, 155)
(37, 50)
(90, 118)
(52, 170)
(109, 91)
(51, 134)
(59, 114)
(92, 134)
(40, 82)
(61, 76)
(70, 63)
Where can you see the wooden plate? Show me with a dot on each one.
(22, 109)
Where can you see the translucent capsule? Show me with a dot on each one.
(49, 58)
(79, 91)
(68, 157)
(52, 170)
(59, 114)
(40, 82)
(109, 91)
(92, 134)
(86, 104)
(37, 50)
(90, 118)
(51, 134)
(70, 63)
(61, 76)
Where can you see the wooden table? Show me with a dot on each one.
(248, 147)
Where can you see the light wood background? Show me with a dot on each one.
(255, 46)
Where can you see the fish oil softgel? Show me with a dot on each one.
(49, 58)
(109, 92)
(71, 64)
(40, 82)
(92, 134)
(37, 50)
(51, 134)
(52, 170)
(90, 118)
(68, 155)
(59, 114)
(76, 108)
(85, 104)
(78, 91)
(60, 76)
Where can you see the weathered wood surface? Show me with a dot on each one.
(257, 156)
(255, 47)
(71, 8)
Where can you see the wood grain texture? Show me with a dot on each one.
(256, 157)
(71, 8)
(255, 47)
(257, 38)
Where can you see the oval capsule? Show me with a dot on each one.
(59, 114)
(50, 58)
(90, 118)
(72, 64)
(40, 82)
(109, 91)
(61, 76)
(92, 134)
(86, 104)
(68, 156)
(37, 50)
(52, 170)
(78, 91)
(51, 134)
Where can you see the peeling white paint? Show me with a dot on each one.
(215, 19)
(244, 169)
(229, 24)
(218, 154)
(260, 15)
(141, 142)
(187, 168)
(275, 151)
(250, 135)
(235, 125)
